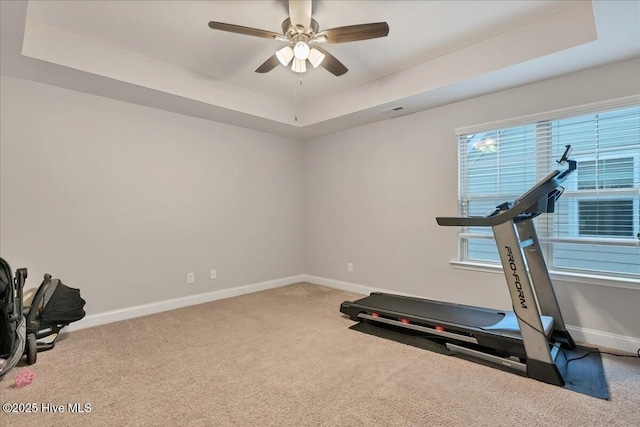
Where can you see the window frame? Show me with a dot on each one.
(544, 119)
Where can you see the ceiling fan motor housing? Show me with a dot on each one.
(290, 31)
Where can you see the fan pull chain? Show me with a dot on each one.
(295, 95)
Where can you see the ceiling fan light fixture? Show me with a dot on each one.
(285, 55)
(299, 65)
(301, 50)
(315, 57)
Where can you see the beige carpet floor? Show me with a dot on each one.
(286, 357)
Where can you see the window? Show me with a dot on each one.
(608, 173)
(609, 218)
(596, 225)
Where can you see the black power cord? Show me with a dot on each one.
(599, 352)
(579, 357)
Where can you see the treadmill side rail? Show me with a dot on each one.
(419, 328)
(501, 362)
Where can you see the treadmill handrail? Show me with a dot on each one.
(522, 204)
(530, 198)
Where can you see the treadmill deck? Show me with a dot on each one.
(492, 321)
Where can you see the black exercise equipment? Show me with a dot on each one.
(526, 340)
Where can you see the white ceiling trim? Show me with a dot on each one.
(562, 43)
(558, 32)
(58, 46)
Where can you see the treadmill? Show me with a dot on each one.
(526, 340)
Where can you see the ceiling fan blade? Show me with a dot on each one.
(247, 31)
(331, 64)
(300, 12)
(354, 33)
(268, 65)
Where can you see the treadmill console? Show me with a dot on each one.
(541, 198)
(547, 204)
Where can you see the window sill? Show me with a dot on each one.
(589, 279)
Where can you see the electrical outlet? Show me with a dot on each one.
(350, 267)
(214, 274)
(191, 277)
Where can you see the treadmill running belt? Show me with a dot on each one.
(435, 310)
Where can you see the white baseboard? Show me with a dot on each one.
(349, 287)
(172, 304)
(604, 339)
(590, 336)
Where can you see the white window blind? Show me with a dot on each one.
(596, 224)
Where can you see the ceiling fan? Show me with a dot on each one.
(302, 33)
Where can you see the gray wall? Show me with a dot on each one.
(123, 201)
(372, 194)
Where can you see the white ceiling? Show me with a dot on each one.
(177, 33)
(163, 54)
